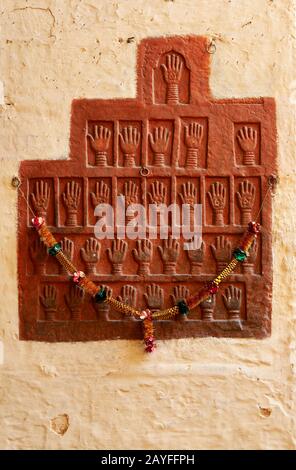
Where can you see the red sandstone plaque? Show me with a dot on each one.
(174, 143)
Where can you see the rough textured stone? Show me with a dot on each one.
(197, 388)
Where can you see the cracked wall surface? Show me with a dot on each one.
(192, 393)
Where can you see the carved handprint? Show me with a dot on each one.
(172, 72)
(193, 139)
(128, 295)
(207, 308)
(38, 253)
(117, 255)
(103, 308)
(131, 195)
(129, 142)
(196, 258)
(102, 194)
(40, 198)
(193, 135)
(249, 263)
(217, 196)
(74, 300)
(173, 68)
(169, 254)
(157, 194)
(49, 301)
(100, 144)
(154, 297)
(67, 246)
(71, 198)
(143, 256)
(180, 293)
(233, 299)
(222, 252)
(130, 192)
(247, 138)
(188, 194)
(91, 254)
(246, 199)
(159, 141)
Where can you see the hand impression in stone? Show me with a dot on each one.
(49, 301)
(39, 255)
(154, 297)
(207, 307)
(128, 295)
(90, 254)
(196, 258)
(193, 140)
(159, 141)
(233, 299)
(247, 139)
(246, 200)
(217, 196)
(100, 143)
(180, 293)
(101, 194)
(117, 255)
(222, 252)
(40, 198)
(129, 142)
(71, 198)
(172, 72)
(169, 254)
(131, 195)
(157, 194)
(103, 308)
(67, 246)
(74, 299)
(143, 256)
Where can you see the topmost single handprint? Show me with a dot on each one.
(172, 72)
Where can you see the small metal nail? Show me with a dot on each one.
(15, 182)
(144, 171)
(211, 47)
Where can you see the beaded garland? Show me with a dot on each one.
(183, 307)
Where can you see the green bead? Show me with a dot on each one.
(239, 254)
(101, 295)
(183, 308)
(53, 251)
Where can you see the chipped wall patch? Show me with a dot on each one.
(60, 424)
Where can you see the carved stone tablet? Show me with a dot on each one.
(174, 143)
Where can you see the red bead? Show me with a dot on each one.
(37, 221)
(150, 344)
(254, 227)
(150, 348)
(77, 276)
(146, 314)
(212, 288)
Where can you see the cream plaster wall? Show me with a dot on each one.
(203, 393)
